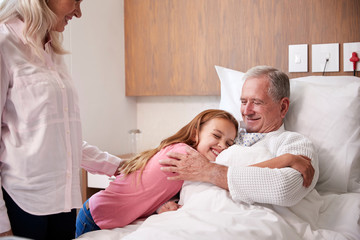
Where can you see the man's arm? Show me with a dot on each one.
(195, 167)
(297, 162)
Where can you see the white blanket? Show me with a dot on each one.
(209, 213)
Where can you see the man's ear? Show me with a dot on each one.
(284, 106)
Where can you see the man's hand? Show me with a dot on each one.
(195, 167)
(303, 165)
(297, 162)
(191, 166)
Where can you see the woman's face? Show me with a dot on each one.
(65, 10)
(215, 136)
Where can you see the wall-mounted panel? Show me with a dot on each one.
(171, 46)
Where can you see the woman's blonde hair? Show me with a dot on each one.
(186, 135)
(39, 21)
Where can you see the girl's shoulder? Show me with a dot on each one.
(176, 147)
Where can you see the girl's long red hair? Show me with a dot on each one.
(186, 135)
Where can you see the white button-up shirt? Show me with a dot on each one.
(41, 142)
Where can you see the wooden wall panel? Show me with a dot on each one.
(171, 46)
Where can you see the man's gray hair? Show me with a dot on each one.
(279, 81)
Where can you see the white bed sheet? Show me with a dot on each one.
(210, 213)
(328, 216)
(112, 234)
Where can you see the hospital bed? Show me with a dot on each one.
(326, 109)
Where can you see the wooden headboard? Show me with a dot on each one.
(171, 46)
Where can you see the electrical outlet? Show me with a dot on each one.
(348, 49)
(321, 52)
(298, 58)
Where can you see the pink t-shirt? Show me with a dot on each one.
(129, 198)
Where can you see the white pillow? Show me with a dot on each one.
(327, 111)
(231, 85)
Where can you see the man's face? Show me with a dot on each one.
(259, 111)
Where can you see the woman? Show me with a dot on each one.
(41, 143)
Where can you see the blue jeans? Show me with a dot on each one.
(84, 221)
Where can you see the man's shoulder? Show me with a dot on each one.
(292, 134)
(283, 135)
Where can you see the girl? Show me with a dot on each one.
(142, 187)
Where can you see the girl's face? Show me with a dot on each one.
(215, 136)
(65, 10)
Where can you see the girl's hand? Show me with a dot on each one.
(168, 206)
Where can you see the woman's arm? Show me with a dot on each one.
(5, 228)
(96, 161)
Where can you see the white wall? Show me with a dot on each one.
(96, 42)
(97, 63)
(160, 117)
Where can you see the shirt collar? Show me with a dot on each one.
(17, 25)
(281, 128)
(243, 130)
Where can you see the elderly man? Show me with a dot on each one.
(285, 178)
